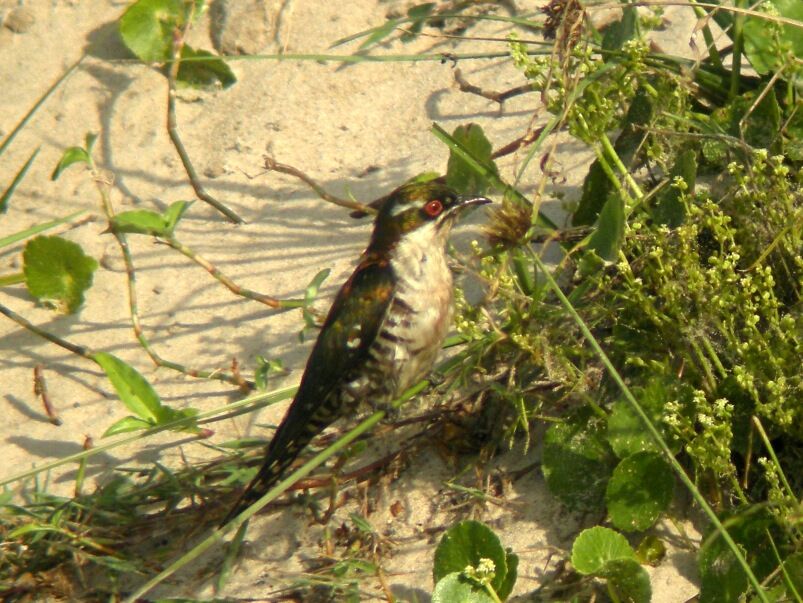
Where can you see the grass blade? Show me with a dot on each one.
(9, 192)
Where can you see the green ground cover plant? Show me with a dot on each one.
(662, 351)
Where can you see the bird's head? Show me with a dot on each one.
(426, 209)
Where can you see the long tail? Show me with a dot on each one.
(290, 439)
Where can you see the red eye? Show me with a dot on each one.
(433, 208)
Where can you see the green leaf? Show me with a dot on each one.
(628, 580)
(418, 15)
(762, 121)
(456, 588)
(423, 177)
(89, 142)
(57, 271)
(310, 293)
(138, 221)
(640, 489)
(577, 461)
(669, 208)
(144, 221)
(125, 425)
(265, 369)
(205, 71)
(117, 564)
(619, 32)
(597, 189)
(626, 432)
(71, 156)
(9, 192)
(760, 46)
(506, 585)
(147, 28)
(174, 213)
(132, 388)
(793, 575)
(651, 550)
(139, 397)
(168, 414)
(609, 232)
(460, 174)
(595, 547)
(466, 543)
(380, 33)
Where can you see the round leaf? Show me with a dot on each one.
(466, 543)
(453, 588)
(577, 461)
(57, 270)
(147, 28)
(640, 490)
(596, 546)
(628, 580)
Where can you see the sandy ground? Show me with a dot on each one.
(359, 130)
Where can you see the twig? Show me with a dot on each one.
(226, 281)
(274, 166)
(172, 130)
(529, 138)
(499, 97)
(359, 474)
(245, 385)
(24, 323)
(40, 390)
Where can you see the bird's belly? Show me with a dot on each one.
(419, 321)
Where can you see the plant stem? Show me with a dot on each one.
(771, 451)
(491, 592)
(274, 166)
(133, 308)
(708, 374)
(227, 282)
(614, 156)
(738, 46)
(175, 138)
(710, 45)
(12, 279)
(71, 347)
(712, 354)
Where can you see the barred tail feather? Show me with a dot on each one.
(269, 474)
(287, 443)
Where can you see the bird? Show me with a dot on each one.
(384, 329)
